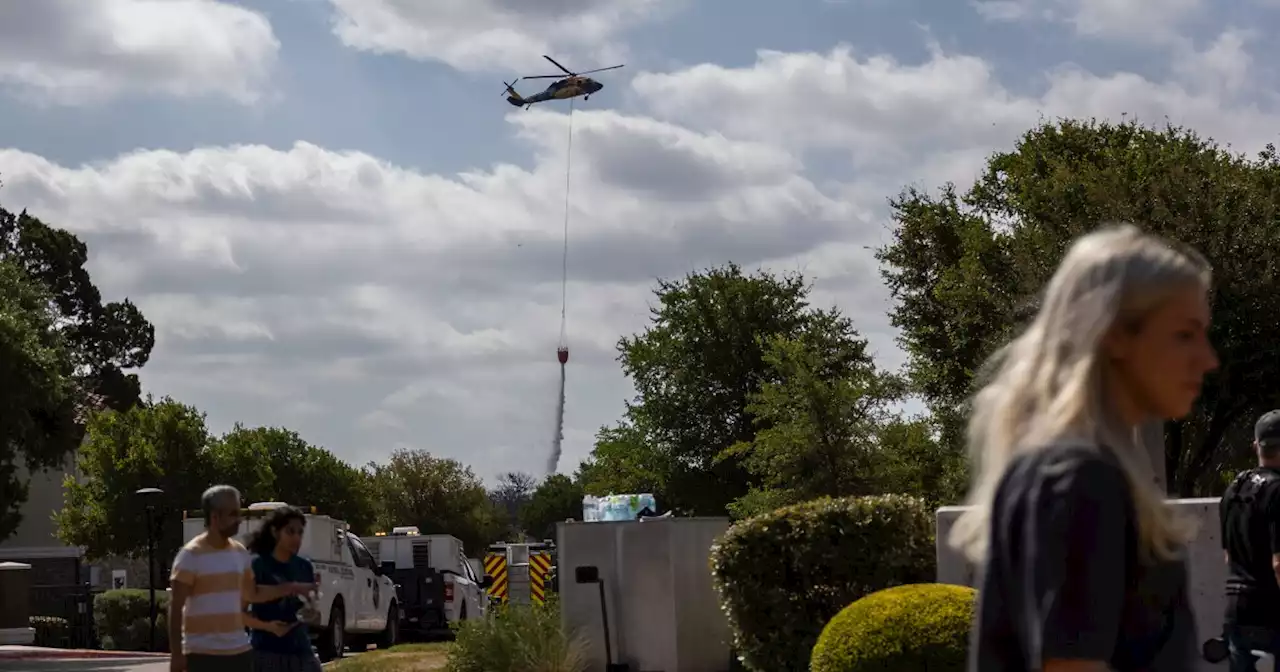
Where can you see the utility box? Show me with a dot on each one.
(15, 604)
(1206, 568)
(663, 611)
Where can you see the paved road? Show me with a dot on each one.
(95, 665)
(86, 665)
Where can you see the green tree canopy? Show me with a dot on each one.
(623, 460)
(737, 375)
(69, 352)
(165, 444)
(158, 444)
(966, 269)
(38, 393)
(556, 499)
(276, 464)
(512, 493)
(438, 496)
(106, 339)
(820, 420)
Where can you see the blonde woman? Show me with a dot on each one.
(1082, 567)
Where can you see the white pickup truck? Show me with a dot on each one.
(356, 604)
(437, 584)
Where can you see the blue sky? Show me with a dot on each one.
(338, 225)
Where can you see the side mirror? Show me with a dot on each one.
(486, 582)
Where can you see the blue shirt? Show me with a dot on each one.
(267, 571)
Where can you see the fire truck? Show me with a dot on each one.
(521, 573)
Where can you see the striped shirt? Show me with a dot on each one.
(213, 618)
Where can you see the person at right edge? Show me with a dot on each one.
(1250, 515)
(1081, 565)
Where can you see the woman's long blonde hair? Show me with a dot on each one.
(1048, 384)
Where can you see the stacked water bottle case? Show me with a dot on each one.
(617, 507)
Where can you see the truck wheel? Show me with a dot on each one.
(391, 635)
(333, 642)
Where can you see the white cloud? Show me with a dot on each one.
(73, 52)
(936, 120)
(1224, 66)
(493, 34)
(1148, 21)
(369, 305)
(414, 308)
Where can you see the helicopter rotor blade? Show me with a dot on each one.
(553, 62)
(507, 91)
(612, 67)
(545, 77)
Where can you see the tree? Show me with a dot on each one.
(923, 460)
(966, 270)
(820, 420)
(696, 370)
(623, 460)
(557, 498)
(106, 339)
(513, 492)
(38, 393)
(99, 341)
(276, 464)
(438, 495)
(162, 444)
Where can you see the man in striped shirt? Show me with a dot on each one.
(212, 582)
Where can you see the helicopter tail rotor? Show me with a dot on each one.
(512, 95)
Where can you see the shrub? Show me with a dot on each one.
(51, 631)
(784, 574)
(121, 618)
(517, 638)
(918, 627)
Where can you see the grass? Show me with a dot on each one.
(402, 658)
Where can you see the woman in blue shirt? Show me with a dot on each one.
(280, 641)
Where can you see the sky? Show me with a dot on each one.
(338, 225)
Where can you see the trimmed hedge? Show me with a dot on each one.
(783, 575)
(121, 618)
(917, 627)
(51, 631)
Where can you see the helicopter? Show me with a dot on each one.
(563, 88)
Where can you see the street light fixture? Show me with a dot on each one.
(148, 496)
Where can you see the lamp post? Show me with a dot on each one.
(148, 496)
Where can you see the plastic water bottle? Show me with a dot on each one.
(590, 509)
(648, 501)
(618, 508)
(609, 509)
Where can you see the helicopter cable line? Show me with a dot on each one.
(564, 258)
(562, 351)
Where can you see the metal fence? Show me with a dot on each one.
(73, 603)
